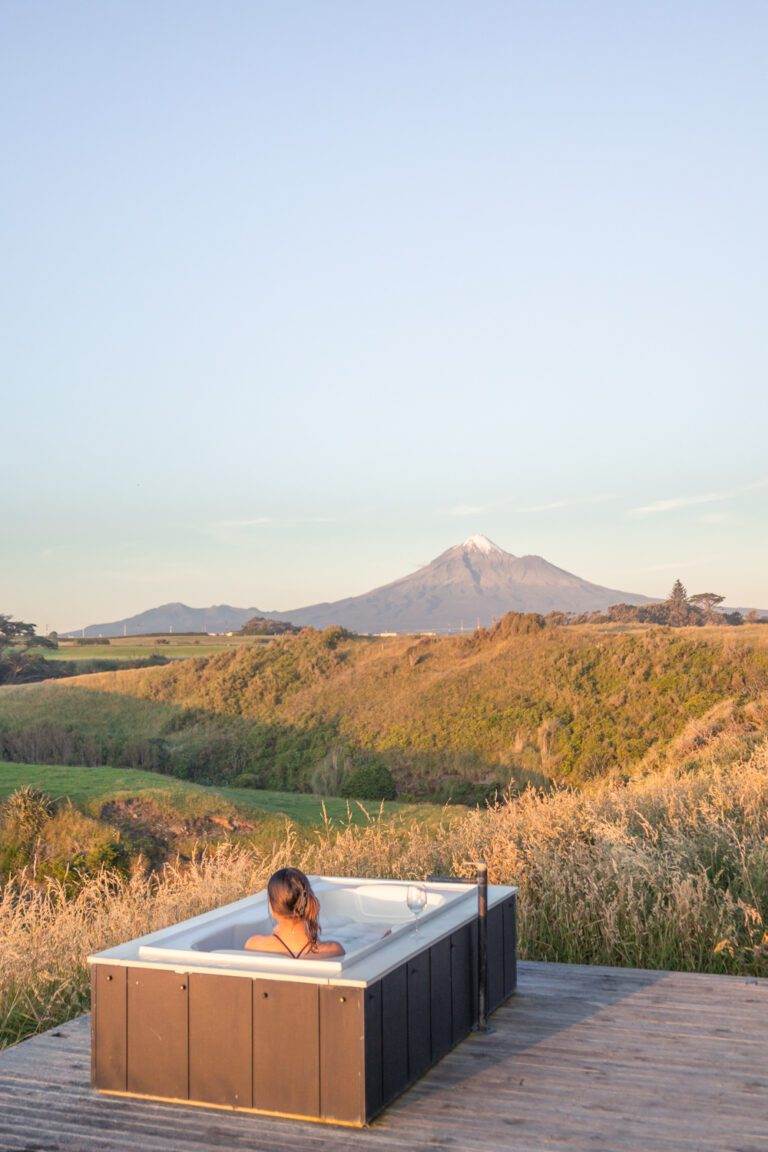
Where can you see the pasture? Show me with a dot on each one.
(86, 786)
(172, 647)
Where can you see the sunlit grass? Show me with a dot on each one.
(668, 871)
(179, 647)
(87, 785)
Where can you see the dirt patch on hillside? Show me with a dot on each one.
(159, 830)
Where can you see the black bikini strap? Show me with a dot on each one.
(288, 950)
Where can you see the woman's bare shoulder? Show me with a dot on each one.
(328, 948)
(261, 944)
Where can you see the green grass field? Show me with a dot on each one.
(137, 647)
(86, 785)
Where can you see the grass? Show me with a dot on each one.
(85, 786)
(177, 647)
(669, 871)
(102, 715)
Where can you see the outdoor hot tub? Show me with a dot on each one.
(187, 1014)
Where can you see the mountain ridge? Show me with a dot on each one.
(470, 583)
(173, 617)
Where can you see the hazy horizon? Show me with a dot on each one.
(287, 607)
(296, 298)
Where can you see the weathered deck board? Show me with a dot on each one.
(603, 1059)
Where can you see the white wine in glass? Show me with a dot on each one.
(416, 899)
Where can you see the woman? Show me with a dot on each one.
(296, 910)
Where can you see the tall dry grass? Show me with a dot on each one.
(670, 871)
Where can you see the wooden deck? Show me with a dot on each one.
(603, 1059)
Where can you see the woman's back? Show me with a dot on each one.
(288, 944)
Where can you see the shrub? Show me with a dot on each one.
(459, 791)
(371, 781)
(518, 624)
(55, 841)
(247, 780)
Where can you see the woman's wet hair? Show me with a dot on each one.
(290, 894)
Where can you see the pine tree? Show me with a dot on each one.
(678, 606)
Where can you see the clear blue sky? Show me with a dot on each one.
(293, 296)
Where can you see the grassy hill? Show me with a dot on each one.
(450, 716)
(92, 787)
(68, 824)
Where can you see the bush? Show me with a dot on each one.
(55, 841)
(247, 780)
(518, 624)
(458, 791)
(372, 781)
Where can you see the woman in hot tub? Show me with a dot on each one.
(296, 909)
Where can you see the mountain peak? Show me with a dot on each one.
(481, 543)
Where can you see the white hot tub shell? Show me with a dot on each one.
(363, 915)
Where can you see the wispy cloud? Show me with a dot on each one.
(467, 509)
(255, 522)
(675, 502)
(571, 502)
(275, 521)
(677, 565)
(550, 506)
(713, 518)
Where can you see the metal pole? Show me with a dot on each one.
(482, 948)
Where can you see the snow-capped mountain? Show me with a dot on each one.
(476, 580)
(471, 582)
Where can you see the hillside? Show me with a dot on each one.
(91, 788)
(67, 824)
(451, 716)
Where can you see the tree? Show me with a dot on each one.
(707, 602)
(678, 606)
(14, 632)
(260, 626)
(15, 637)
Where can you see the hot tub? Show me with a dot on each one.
(187, 1014)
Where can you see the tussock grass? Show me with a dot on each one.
(666, 871)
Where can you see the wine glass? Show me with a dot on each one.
(416, 899)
